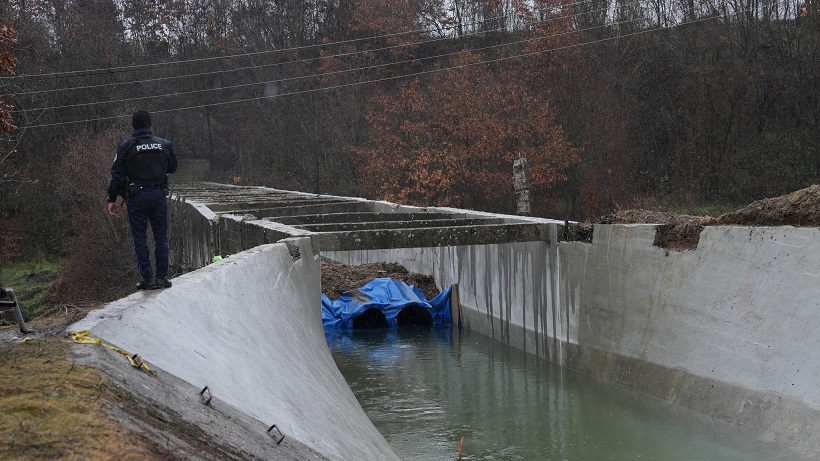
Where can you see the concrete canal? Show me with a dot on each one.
(425, 389)
(725, 328)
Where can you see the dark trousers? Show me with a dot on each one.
(149, 206)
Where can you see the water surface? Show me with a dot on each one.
(426, 389)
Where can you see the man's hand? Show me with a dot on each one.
(114, 209)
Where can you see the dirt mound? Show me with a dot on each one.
(800, 208)
(682, 232)
(338, 278)
(646, 217)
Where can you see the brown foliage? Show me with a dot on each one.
(452, 141)
(391, 25)
(718, 111)
(385, 17)
(100, 262)
(8, 37)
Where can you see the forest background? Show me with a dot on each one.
(694, 105)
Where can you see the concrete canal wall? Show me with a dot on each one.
(730, 329)
(250, 329)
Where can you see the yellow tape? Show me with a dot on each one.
(83, 338)
(24, 340)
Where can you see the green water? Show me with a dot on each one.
(426, 389)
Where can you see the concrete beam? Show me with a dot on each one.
(269, 203)
(435, 237)
(358, 217)
(222, 193)
(318, 208)
(417, 224)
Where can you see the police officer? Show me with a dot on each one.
(139, 175)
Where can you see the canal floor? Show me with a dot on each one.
(427, 389)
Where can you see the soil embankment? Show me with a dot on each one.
(681, 232)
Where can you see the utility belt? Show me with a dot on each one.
(134, 189)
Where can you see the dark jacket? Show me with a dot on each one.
(120, 178)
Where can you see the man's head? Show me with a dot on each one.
(141, 119)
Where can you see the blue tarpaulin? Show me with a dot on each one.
(388, 296)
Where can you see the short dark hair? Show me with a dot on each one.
(141, 119)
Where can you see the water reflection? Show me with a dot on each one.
(425, 388)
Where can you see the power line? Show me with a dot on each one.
(322, 74)
(99, 71)
(294, 61)
(350, 84)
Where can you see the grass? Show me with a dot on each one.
(32, 282)
(54, 408)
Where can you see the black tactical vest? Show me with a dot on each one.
(146, 160)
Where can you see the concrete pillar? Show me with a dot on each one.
(521, 184)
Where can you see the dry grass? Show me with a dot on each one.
(54, 408)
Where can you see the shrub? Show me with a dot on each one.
(100, 263)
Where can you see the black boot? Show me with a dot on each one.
(162, 283)
(148, 283)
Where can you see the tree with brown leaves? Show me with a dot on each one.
(8, 37)
(452, 140)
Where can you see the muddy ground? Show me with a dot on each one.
(681, 232)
